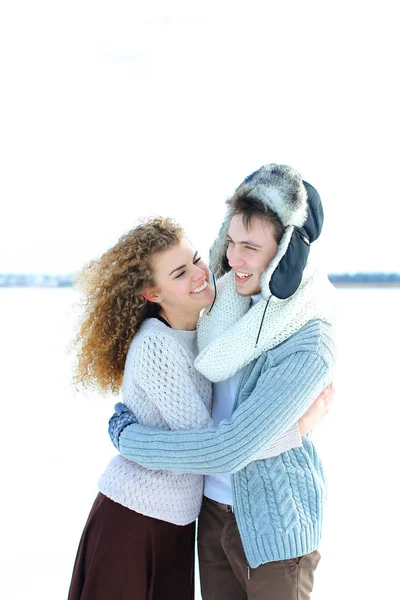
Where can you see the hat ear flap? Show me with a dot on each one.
(287, 276)
(315, 214)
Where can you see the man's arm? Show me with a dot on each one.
(286, 441)
(282, 394)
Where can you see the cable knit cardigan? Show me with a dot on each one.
(165, 391)
(278, 502)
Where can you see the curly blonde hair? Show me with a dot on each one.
(113, 305)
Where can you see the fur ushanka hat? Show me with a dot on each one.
(298, 206)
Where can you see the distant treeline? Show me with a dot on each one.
(32, 280)
(365, 278)
(53, 281)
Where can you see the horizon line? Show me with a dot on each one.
(42, 280)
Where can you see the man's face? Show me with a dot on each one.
(249, 252)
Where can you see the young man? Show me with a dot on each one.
(266, 343)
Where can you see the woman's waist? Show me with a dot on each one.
(128, 473)
(166, 495)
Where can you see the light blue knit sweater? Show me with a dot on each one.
(278, 502)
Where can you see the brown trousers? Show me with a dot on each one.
(124, 555)
(224, 573)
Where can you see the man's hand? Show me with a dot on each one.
(317, 411)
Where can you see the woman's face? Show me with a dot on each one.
(182, 280)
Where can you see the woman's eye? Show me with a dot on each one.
(250, 248)
(183, 272)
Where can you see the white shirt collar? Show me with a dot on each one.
(256, 298)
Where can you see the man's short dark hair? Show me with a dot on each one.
(248, 207)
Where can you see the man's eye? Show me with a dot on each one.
(250, 248)
(180, 275)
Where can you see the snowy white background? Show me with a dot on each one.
(110, 111)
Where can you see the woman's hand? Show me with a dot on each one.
(317, 411)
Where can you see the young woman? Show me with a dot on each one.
(143, 300)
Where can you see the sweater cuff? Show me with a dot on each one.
(286, 441)
(120, 419)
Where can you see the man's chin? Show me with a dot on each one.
(240, 289)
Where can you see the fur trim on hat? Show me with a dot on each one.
(281, 189)
(280, 253)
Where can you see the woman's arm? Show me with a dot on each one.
(317, 411)
(161, 367)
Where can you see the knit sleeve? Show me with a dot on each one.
(162, 369)
(285, 441)
(283, 393)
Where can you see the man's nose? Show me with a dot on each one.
(235, 259)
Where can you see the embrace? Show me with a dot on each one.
(224, 372)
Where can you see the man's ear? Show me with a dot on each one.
(151, 295)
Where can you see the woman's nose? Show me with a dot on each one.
(199, 274)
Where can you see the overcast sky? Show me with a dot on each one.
(114, 110)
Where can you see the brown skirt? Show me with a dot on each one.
(124, 555)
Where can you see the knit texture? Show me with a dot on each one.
(120, 419)
(165, 391)
(232, 324)
(278, 502)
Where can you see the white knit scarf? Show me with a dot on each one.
(227, 334)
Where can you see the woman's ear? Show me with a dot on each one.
(151, 295)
